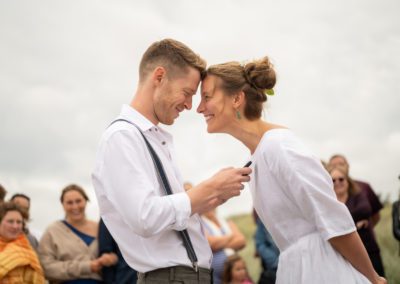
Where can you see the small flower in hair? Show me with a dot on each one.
(269, 92)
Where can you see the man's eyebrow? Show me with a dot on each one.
(189, 90)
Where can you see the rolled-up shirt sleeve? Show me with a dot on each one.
(130, 183)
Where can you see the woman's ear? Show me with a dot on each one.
(238, 99)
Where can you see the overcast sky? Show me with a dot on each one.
(66, 67)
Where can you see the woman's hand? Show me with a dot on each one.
(381, 280)
(95, 265)
(362, 224)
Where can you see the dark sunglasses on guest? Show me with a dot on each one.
(341, 179)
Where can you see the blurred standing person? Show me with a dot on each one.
(153, 219)
(268, 252)
(224, 238)
(339, 160)
(25, 203)
(292, 192)
(348, 193)
(121, 272)
(68, 249)
(396, 220)
(3, 193)
(18, 261)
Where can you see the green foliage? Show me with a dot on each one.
(388, 244)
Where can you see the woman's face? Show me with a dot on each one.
(11, 226)
(216, 107)
(340, 183)
(74, 205)
(239, 271)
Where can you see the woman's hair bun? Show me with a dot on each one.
(260, 74)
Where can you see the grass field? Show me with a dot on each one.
(389, 246)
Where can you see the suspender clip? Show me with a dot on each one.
(195, 266)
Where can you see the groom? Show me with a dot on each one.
(142, 219)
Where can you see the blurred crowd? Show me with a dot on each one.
(78, 250)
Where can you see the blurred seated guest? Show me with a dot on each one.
(68, 249)
(339, 160)
(348, 193)
(3, 193)
(235, 271)
(121, 272)
(268, 252)
(25, 203)
(18, 261)
(224, 239)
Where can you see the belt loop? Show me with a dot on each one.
(172, 273)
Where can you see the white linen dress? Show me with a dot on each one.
(294, 197)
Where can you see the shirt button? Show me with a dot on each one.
(163, 142)
(150, 129)
(156, 129)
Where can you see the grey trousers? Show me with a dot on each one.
(176, 274)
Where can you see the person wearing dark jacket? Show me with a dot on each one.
(121, 272)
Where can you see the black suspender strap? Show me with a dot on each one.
(167, 188)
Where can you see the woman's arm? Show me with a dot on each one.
(238, 241)
(218, 242)
(352, 249)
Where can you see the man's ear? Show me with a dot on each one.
(158, 75)
(238, 99)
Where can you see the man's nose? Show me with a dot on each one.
(188, 103)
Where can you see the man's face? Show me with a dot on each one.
(339, 162)
(175, 95)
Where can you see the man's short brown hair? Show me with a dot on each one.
(173, 55)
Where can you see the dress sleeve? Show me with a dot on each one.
(359, 208)
(309, 186)
(373, 199)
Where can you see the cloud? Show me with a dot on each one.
(68, 66)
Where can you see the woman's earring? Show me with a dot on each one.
(238, 115)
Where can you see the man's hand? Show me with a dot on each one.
(224, 185)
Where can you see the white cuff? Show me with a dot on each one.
(181, 204)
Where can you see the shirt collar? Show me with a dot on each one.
(131, 114)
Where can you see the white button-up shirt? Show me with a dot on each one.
(140, 216)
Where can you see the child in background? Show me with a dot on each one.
(235, 271)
